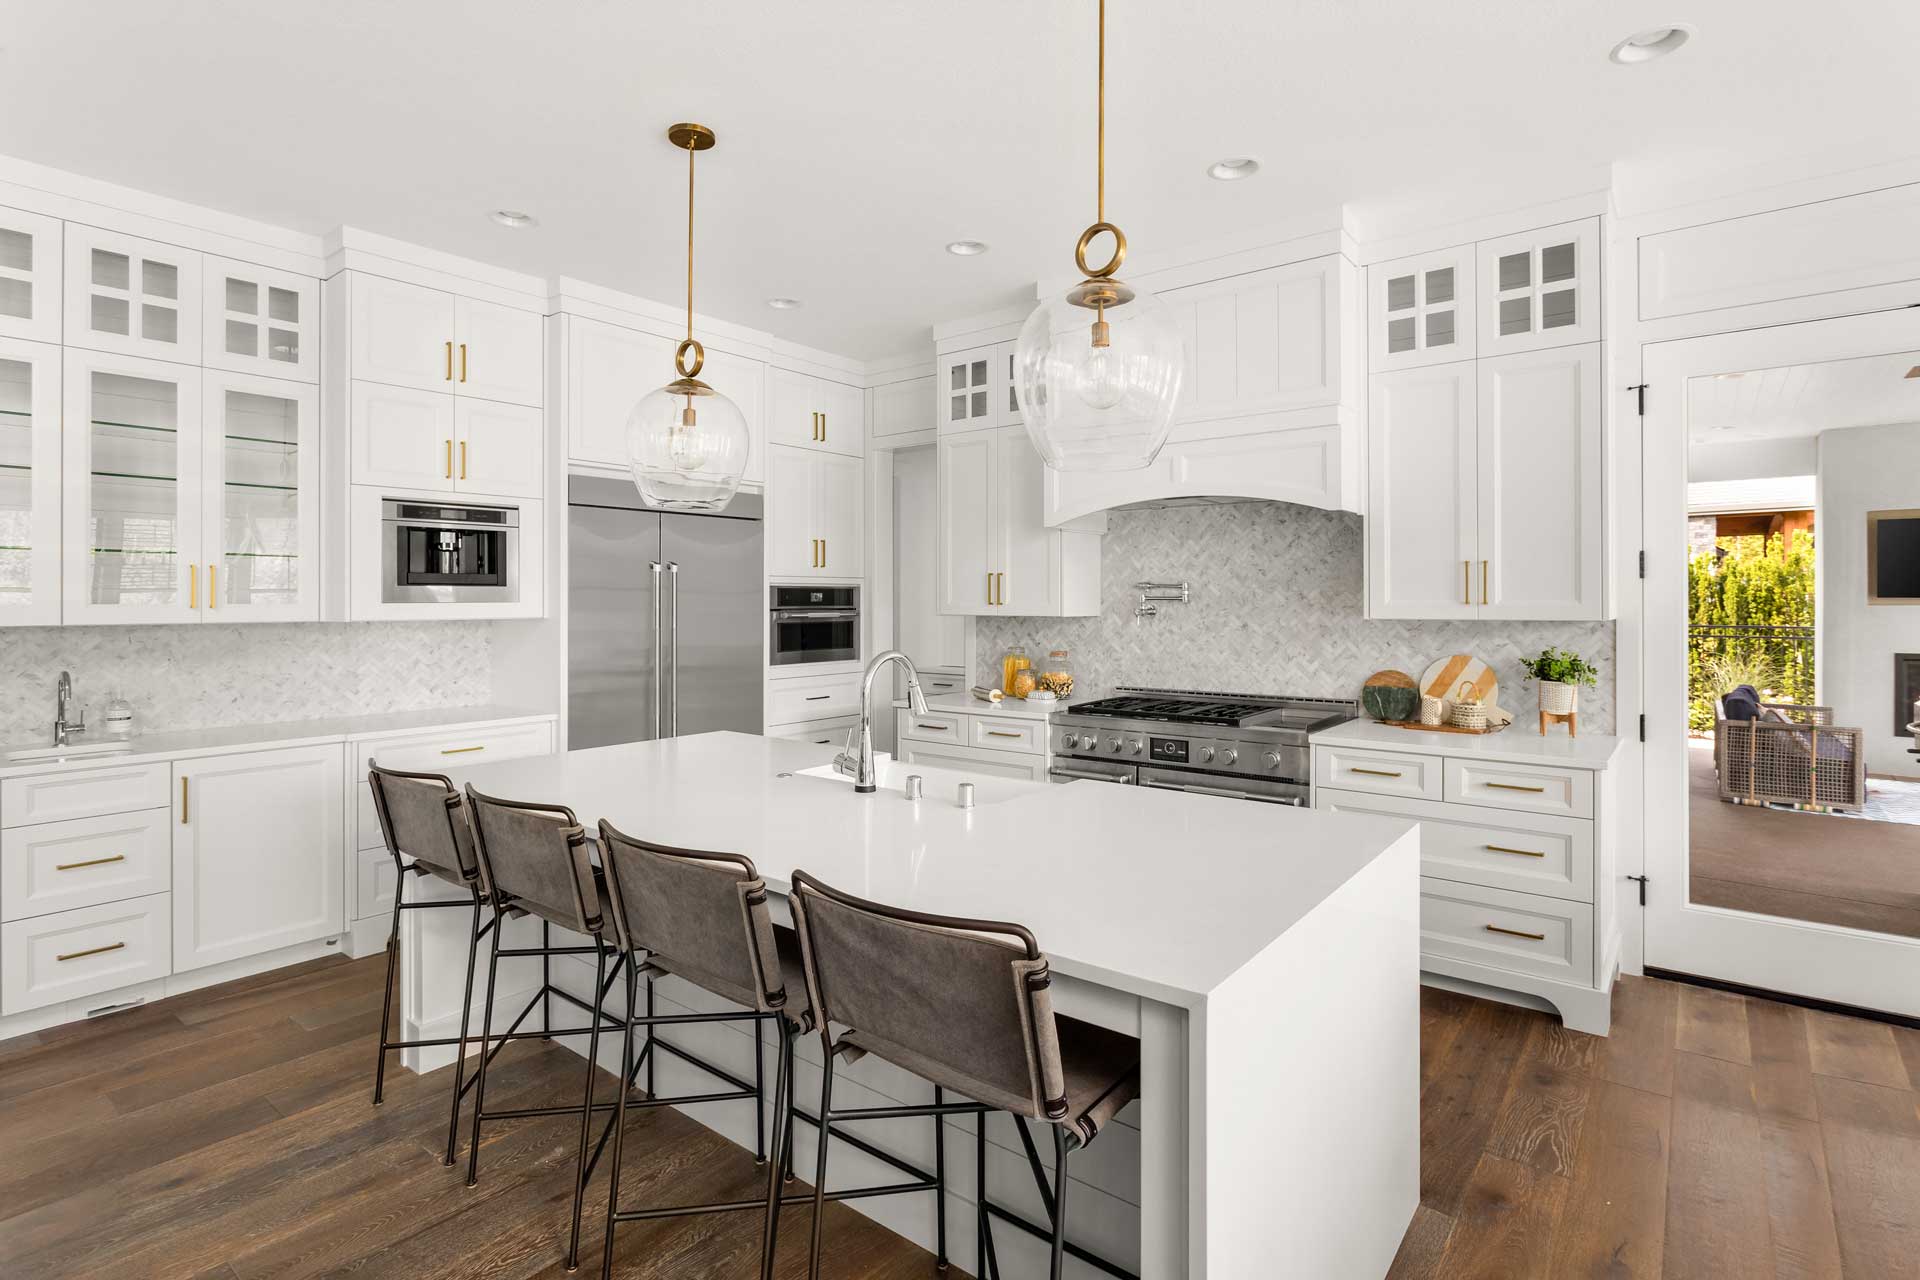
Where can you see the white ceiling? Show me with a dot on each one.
(857, 137)
(1803, 399)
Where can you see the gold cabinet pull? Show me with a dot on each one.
(1514, 786)
(193, 586)
(823, 427)
(1374, 773)
(1000, 588)
(92, 951)
(1001, 733)
(1516, 933)
(459, 751)
(937, 728)
(1525, 853)
(90, 862)
(463, 455)
(183, 801)
(1466, 582)
(463, 362)
(449, 457)
(449, 361)
(823, 553)
(1483, 580)
(213, 586)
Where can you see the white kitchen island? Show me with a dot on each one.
(1266, 957)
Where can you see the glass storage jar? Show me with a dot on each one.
(1056, 674)
(1015, 660)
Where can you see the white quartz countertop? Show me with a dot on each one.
(1518, 743)
(1007, 708)
(292, 733)
(1159, 893)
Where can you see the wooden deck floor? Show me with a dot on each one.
(228, 1134)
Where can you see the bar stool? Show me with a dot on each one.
(424, 823)
(537, 860)
(965, 1005)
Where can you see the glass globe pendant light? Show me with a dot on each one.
(686, 443)
(1098, 367)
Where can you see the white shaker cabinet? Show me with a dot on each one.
(1420, 310)
(901, 408)
(1422, 493)
(996, 554)
(499, 352)
(29, 276)
(968, 389)
(805, 412)
(259, 320)
(1540, 289)
(609, 369)
(497, 449)
(260, 504)
(258, 841)
(964, 556)
(29, 483)
(815, 514)
(130, 296)
(1261, 342)
(402, 437)
(402, 334)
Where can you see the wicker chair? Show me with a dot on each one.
(1799, 758)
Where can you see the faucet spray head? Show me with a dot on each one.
(916, 701)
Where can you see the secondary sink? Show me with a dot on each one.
(78, 750)
(941, 785)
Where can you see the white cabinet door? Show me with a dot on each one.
(967, 390)
(1422, 510)
(743, 381)
(932, 638)
(258, 842)
(1026, 555)
(1420, 309)
(967, 550)
(612, 368)
(402, 334)
(499, 352)
(259, 320)
(29, 276)
(1540, 489)
(29, 480)
(260, 514)
(900, 408)
(1540, 289)
(402, 437)
(793, 539)
(498, 449)
(131, 462)
(792, 417)
(131, 296)
(839, 512)
(1263, 341)
(842, 417)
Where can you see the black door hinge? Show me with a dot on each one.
(1643, 564)
(1643, 888)
(1643, 727)
(1640, 390)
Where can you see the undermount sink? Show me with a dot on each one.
(73, 751)
(939, 786)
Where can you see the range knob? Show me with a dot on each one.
(1136, 746)
(1206, 755)
(1113, 745)
(1271, 759)
(1229, 755)
(1068, 742)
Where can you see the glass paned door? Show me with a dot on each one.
(261, 321)
(260, 530)
(29, 276)
(132, 296)
(29, 483)
(1540, 289)
(132, 446)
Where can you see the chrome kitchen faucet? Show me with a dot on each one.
(856, 761)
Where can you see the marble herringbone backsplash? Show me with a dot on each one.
(205, 676)
(1277, 608)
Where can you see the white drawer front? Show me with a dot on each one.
(817, 733)
(1381, 773)
(79, 953)
(448, 748)
(373, 883)
(1531, 788)
(812, 698)
(992, 733)
(57, 866)
(937, 726)
(1531, 854)
(81, 793)
(1501, 929)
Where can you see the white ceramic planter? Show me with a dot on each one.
(1558, 699)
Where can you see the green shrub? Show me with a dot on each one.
(1753, 586)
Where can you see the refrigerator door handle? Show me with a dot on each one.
(658, 657)
(673, 716)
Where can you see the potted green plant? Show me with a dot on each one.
(1560, 675)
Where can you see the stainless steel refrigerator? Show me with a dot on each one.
(665, 614)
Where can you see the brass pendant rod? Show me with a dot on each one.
(1100, 198)
(690, 151)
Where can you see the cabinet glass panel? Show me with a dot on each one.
(1556, 263)
(16, 273)
(1399, 293)
(1516, 315)
(260, 500)
(1440, 328)
(16, 486)
(271, 332)
(133, 524)
(1439, 285)
(958, 377)
(1516, 270)
(1400, 334)
(114, 300)
(1557, 309)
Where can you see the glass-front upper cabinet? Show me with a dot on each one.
(260, 527)
(29, 276)
(1420, 309)
(259, 320)
(1540, 288)
(132, 460)
(29, 483)
(970, 388)
(132, 296)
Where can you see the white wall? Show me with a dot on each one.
(1863, 469)
(1751, 459)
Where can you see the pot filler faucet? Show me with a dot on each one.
(857, 760)
(62, 727)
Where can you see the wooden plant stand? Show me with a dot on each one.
(1571, 719)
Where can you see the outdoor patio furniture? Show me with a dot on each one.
(1789, 754)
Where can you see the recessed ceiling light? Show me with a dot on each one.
(513, 218)
(1233, 168)
(783, 304)
(1654, 42)
(967, 248)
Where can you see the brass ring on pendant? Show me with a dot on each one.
(1119, 251)
(680, 357)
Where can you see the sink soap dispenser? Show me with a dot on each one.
(117, 719)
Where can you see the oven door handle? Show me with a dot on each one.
(1085, 775)
(673, 641)
(814, 615)
(1294, 801)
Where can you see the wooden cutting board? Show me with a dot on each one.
(1444, 678)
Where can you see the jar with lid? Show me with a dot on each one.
(1016, 660)
(1056, 674)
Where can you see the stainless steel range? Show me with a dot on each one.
(1224, 744)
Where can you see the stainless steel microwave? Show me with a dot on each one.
(432, 553)
(813, 624)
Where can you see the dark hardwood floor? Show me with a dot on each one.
(227, 1134)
